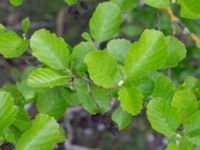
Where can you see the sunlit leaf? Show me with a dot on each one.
(126, 4)
(51, 102)
(158, 3)
(71, 1)
(185, 102)
(102, 68)
(146, 55)
(121, 117)
(131, 99)
(16, 2)
(44, 77)
(190, 8)
(105, 21)
(50, 49)
(192, 128)
(12, 45)
(176, 52)
(42, 135)
(8, 110)
(164, 88)
(78, 55)
(163, 118)
(94, 99)
(119, 48)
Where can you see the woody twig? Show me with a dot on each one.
(177, 22)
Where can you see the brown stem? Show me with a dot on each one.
(176, 21)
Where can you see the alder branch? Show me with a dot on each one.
(91, 96)
(88, 83)
(177, 22)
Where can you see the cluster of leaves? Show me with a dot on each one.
(88, 75)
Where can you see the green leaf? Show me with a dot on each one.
(84, 97)
(12, 134)
(51, 102)
(1, 140)
(164, 88)
(22, 86)
(131, 99)
(71, 1)
(146, 55)
(50, 50)
(163, 118)
(191, 84)
(8, 110)
(18, 98)
(190, 8)
(78, 55)
(102, 97)
(86, 36)
(44, 77)
(43, 134)
(172, 147)
(9, 136)
(105, 21)
(25, 25)
(15, 73)
(183, 145)
(119, 48)
(185, 102)
(2, 28)
(23, 120)
(121, 117)
(176, 52)
(158, 3)
(71, 97)
(92, 96)
(102, 68)
(126, 5)
(16, 2)
(27, 92)
(192, 128)
(12, 45)
(146, 85)
(26, 72)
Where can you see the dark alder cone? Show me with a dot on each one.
(71, 10)
(77, 14)
(74, 12)
(60, 146)
(83, 5)
(96, 118)
(106, 121)
(113, 129)
(7, 146)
